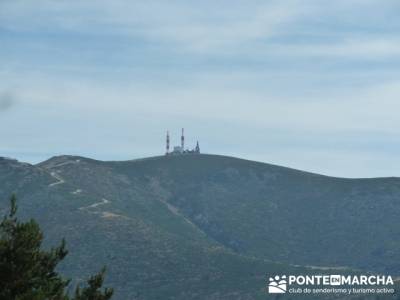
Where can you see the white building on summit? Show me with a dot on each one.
(180, 150)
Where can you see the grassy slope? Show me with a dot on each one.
(156, 251)
(151, 252)
(282, 214)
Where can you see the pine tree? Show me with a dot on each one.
(92, 291)
(28, 273)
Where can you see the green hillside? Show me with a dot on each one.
(261, 210)
(205, 226)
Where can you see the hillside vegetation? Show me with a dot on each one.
(205, 226)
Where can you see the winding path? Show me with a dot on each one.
(60, 180)
(94, 205)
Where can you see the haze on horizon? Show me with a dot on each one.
(313, 85)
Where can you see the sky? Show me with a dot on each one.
(311, 84)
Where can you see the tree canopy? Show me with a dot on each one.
(27, 272)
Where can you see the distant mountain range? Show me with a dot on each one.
(205, 226)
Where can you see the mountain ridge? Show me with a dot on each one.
(152, 158)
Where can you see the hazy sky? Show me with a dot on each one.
(311, 84)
